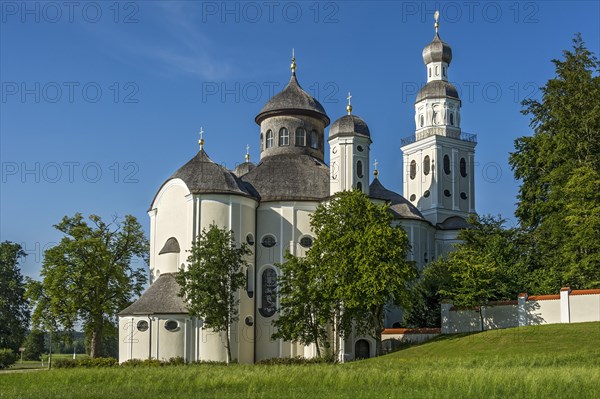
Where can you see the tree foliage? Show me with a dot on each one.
(14, 310)
(357, 267)
(212, 281)
(89, 276)
(557, 166)
(34, 345)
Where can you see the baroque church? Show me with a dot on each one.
(268, 206)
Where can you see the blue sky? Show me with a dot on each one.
(102, 101)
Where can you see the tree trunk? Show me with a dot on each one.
(378, 323)
(228, 345)
(96, 342)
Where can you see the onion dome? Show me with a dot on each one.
(292, 100)
(437, 51)
(349, 125)
(400, 207)
(437, 89)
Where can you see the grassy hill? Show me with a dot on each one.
(533, 362)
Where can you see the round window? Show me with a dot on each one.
(306, 241)
(142, 325)
(250, 239)
(360, 148)
(447, 193)
(249, 321)
(463, 195)
(172, 325)
(268, 241)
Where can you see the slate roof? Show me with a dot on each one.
(400, 207)
(170, 247)
(437, 51)
(201, 175)
(453, 223)
(160, 298)
(294, 177)
(243, 168)
(292, 100)
(437, 89)
(349, 125)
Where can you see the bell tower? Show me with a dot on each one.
(439, 158)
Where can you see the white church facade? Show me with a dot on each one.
(268, 206)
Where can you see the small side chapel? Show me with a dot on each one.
(268, 206)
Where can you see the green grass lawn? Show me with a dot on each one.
(37, 364)
(532, 362)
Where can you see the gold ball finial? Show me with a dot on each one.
(375, 171)
(293, 66)
(349, 106)
(436, 15)
(201, 141)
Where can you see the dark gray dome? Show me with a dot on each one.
(348, 125)
(400, 207)
(437, 51)
(201, 175)
(162, 297)
(243, 168)
(292, 100)
(170, 247)
(289, 177)
(437, 89)
(453, 223)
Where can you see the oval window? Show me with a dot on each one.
(250, 239)
(306, 241)
(447, 193)
(413, 197)
(426, 193)
(463, 167)
(359, 169)
(172, 325)
(413, 169)
(249, 321)
(268, 241)
(359, 186)
(463, 195)
(446, 164)
(142, 325)
(426, 165)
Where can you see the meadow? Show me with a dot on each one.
(534, 362)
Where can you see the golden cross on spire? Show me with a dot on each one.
(349, 106)
(201, 141)
(436, 15)
(247, 153)
(293, 66)
(375, 171)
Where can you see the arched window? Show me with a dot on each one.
(262, 142)
(359, 186)
(447, 164)
(362, 349)
(463, 167)
(284, 137)
(422, 120)
(426, 165)
(269, 139)
(437, 71)
(359, 169)
(429, 71)
(413, 169)
(268, 293)
(451, 119)
(300, 137)
(444, 71)
(314, 139)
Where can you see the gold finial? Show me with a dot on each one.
(375, 171)
(436, 15)
(349, 106)
(247, 153)
(201, 141)
(293, 66)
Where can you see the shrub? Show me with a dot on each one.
(175, 361)
(298, 360)
(97, 362)
(64, 363)
(7, 358)
(142, 363)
